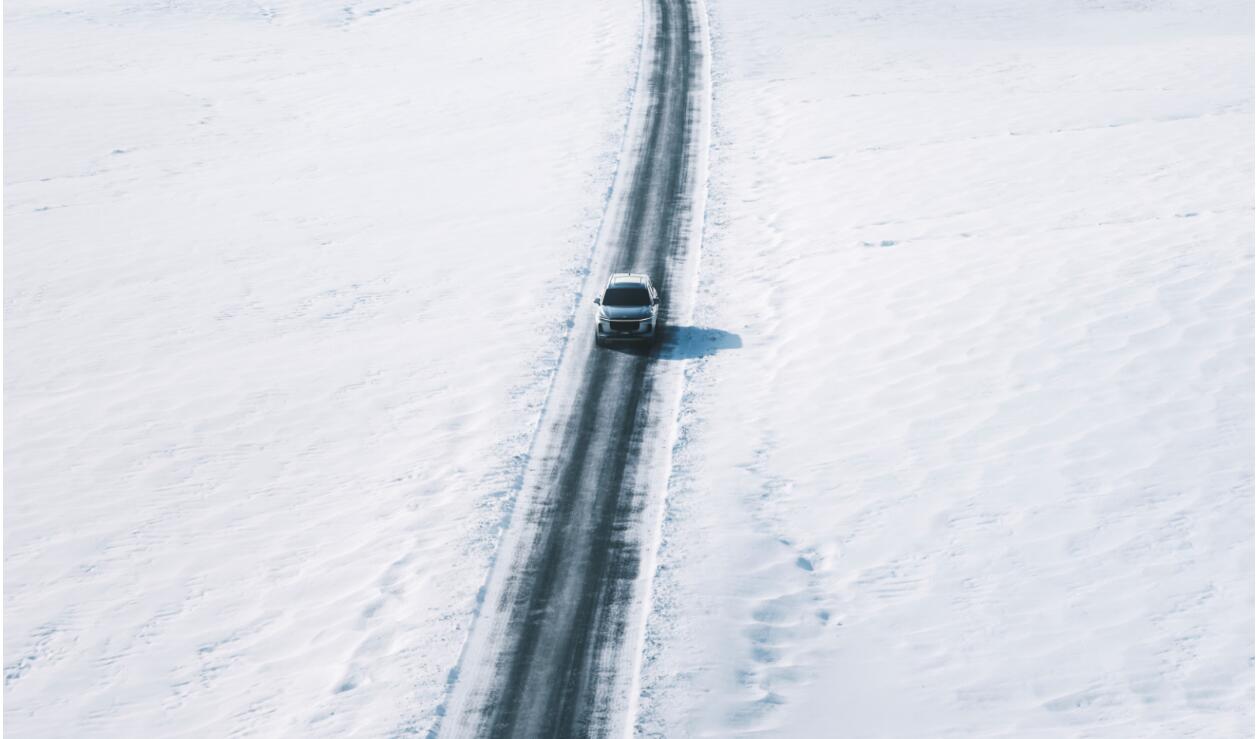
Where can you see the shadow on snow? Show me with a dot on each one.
(683, 342)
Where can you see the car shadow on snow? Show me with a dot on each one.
(695, 342)
(684, 342)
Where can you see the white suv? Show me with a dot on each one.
(628, 309)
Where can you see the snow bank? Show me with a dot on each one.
(970, 453)
(285, 287)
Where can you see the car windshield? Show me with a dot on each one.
(626, 297)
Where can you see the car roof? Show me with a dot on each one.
(628, 278)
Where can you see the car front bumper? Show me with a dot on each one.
(618, 331)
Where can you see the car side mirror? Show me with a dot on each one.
(656, 302)
(597, 301)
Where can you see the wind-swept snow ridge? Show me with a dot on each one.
(982, 466)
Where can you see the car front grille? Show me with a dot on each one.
(624, 325)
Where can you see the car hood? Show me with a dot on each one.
(627, 312)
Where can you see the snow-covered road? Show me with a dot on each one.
(554, 651)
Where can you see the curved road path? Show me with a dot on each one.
(550, 652)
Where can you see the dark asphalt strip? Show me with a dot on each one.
(566, 613)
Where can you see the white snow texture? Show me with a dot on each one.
(965, 445)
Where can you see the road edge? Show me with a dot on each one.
(671, 380)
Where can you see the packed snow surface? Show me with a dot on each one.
(285, 286)
(973, 453)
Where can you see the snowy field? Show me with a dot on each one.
(284, 289)
(978, 460)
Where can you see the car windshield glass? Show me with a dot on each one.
(626, 297)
